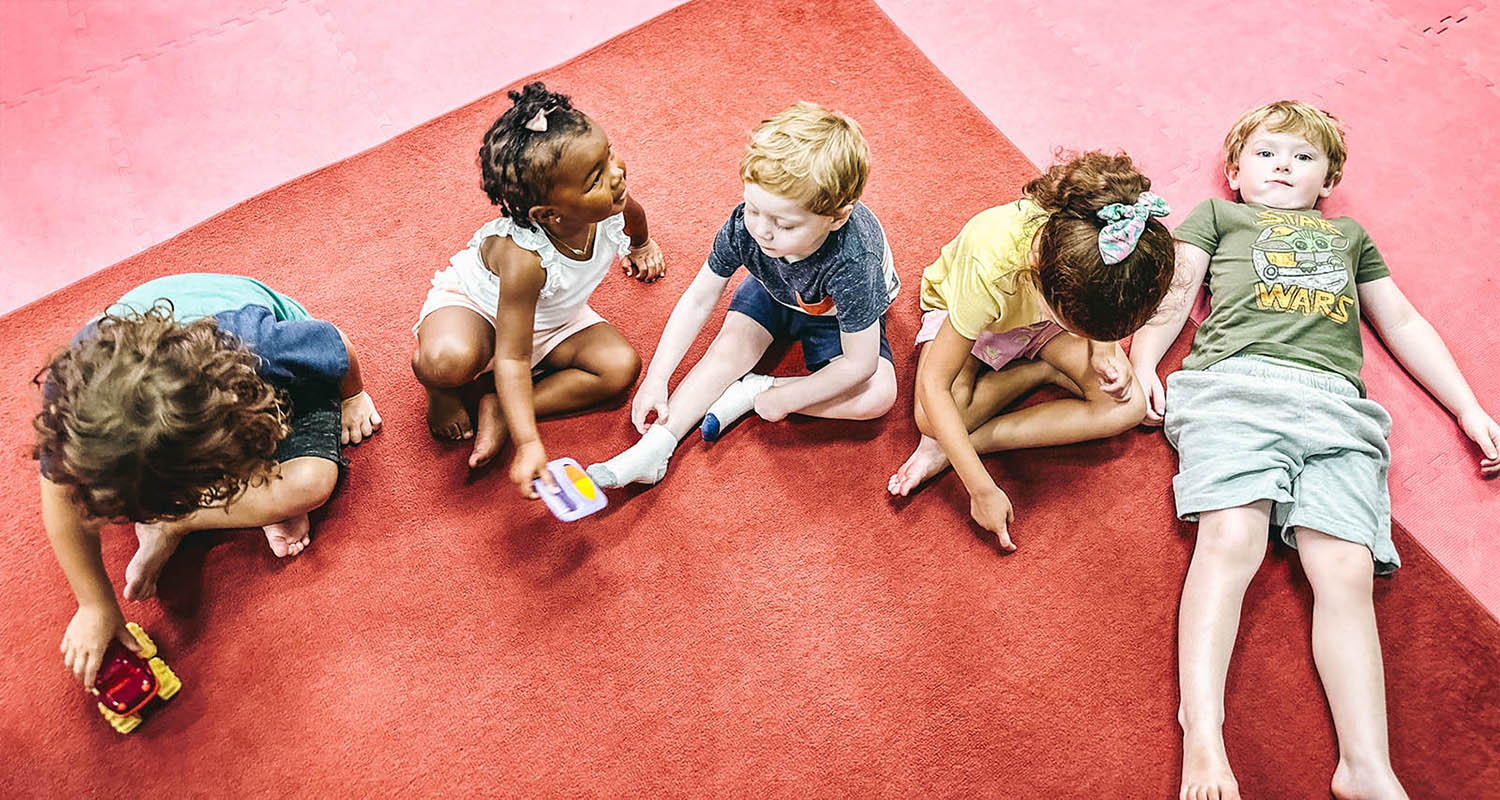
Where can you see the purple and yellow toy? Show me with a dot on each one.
(576, 495)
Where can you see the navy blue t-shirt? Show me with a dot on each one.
(849, 277)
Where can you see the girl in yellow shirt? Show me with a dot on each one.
(1052, 281)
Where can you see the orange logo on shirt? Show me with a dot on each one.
(817, 309)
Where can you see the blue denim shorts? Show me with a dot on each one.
(1249, 429)
(819, 335)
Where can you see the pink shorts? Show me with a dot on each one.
(996, 349)
(543, 342)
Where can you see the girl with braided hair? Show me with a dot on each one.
(515, 301)
(1036, 292)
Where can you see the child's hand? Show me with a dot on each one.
(645, 263)
(993, 511)
(360, 419)
(652, 396)
(1113, 371)
(88, 635)
(529, 464)
(1481, 428)
(1156, 395)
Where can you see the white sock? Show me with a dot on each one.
(736, 401)
(643, 462)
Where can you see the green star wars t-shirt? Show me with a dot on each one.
(1283, 285)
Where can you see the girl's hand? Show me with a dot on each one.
(1156, 395)
(1482, 429)
(1113, 370)
(645, 263)
(652, 396)
(88, 635)
(529, 464)
(360, 419)
(993, 511)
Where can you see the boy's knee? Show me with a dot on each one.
(1335, 565)
(445, 363)
(1230, 540)
(307, 483)
(879, 395)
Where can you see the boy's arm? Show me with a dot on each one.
(1151, 342)
(644, 262)
(688, 316)
(860, 360)
(521, 280)
(1419, 348)
(360, 419)
(75, 542)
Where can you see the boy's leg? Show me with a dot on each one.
(980, 394)
(279, 506)
(583, 370)
(454, 344)
(868, 400)
(1230, 547)
(1346, 648)
(734, 351)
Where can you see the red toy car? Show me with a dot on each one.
(128, 682)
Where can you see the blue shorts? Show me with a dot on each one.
(819, 335)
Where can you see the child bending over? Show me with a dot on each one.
(197, 402)
(1036, 292)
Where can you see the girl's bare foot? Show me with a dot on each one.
(289, 536)
(923, 463)
(447, 419)
(1205, 769)
(1353, 784)
(492, 431)
(158, 541)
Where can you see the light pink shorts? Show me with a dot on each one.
(996, 349)
(543, 342)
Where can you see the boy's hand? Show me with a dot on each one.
(652, 396)
(1481, 428)
(1156, 394)
(645, 263)
(360, 419)
(993, 511)
(1113, 371)
(529, 464)
(86, 638)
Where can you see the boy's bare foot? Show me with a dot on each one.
(923, 463)
(1352, 784)
(158, 541)
(492, 432)
(289, 536)
(1205, 769)
(447, 419)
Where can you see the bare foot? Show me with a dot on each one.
(923, 463)
(447, 419)
(492, 432)
(289, 536)
(1205, 769)
(1352, 784)
(157, 543)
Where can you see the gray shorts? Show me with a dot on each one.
(1249, 429)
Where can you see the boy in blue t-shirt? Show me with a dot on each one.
(820, 273)
(196, 402)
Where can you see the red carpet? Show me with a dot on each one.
(765, 622)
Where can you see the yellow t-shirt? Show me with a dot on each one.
(976, 279)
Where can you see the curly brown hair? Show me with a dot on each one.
(1105, 302)
(146, 418)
